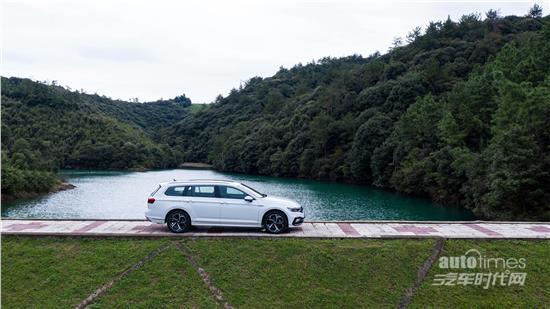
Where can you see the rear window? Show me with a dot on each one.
(178, 191)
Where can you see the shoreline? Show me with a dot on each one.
(196, 165)
(184, 165)
(29, 195)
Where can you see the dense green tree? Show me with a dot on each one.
(535, 11)
(370, 135)
(518, 172)
(492, 14)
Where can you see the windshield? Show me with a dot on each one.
(255, 191)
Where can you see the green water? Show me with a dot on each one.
(118, 195)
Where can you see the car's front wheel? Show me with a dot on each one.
(178, 221)
(275, 222)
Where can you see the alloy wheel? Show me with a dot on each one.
(275, 223)
(177, 222)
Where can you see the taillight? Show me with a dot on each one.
(150, 200)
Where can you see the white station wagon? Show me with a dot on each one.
(200, 202)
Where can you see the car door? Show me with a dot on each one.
(204, 204)
(235, 210)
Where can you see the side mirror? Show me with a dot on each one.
(248, 198)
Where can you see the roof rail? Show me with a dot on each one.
(205, 179)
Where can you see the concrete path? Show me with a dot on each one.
(309, 229)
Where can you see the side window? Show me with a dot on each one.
(230, 192)
(177, 191)
(204, 191)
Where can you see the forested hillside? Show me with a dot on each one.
(46, 127)
(460, 114)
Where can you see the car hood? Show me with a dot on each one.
(281, 201)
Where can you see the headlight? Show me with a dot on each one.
(301, 209)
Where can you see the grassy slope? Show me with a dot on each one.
(175, 283)
(48, 272)
(54, 272)
(534, 294)
(305, 273)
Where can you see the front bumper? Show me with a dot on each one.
(298, 221)
(296, 218)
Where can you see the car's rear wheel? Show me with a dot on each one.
(178, 221)
(275, 222)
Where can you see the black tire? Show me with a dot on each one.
(275, 222)
(178, 221)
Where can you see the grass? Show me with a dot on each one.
(167, 281)
(305, 273)
(534, 294)
(60, 272)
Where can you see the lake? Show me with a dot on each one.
(123, 195)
